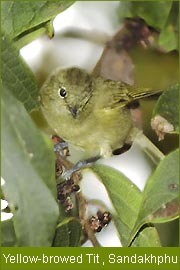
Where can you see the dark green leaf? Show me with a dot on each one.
(148, 237)
(125, 197)
(162, 15)
(68, 233)
(17, 77)
(22, 17)
(75, 230)
(8, 237)
(168, 39)
(27, 167)
(155, 13)
(160, 198)
(61, 236)
(167, 106)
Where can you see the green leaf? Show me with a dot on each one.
(20, 18)
(167, 106)
(125, 197)
(17, 77)
(160, 198)
(155, 13)
(8, 237)
(75, 230)
(148, 237)
(168, 39)
(161, 194)
(27, 167)
(68, 233)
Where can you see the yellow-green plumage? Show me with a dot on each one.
(93, 114)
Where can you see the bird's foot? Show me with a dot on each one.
(60, 146)
(78, 166)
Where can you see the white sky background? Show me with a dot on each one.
(65, 52)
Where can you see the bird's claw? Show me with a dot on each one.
(59, 147)
(78, 166)
(67, 174)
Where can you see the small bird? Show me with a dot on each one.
(89, 112)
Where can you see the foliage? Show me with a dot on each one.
(23, 21)
(28, 158)
(168, 108)
(17, 77)
(133, 208)
(162, 15)
(30, 188)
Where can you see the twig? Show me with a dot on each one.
(94, 36)
(81, 202)
(84, 221)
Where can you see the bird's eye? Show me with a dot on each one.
(62, 92)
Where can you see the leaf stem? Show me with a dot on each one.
(149, 148)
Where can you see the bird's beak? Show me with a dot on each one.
(78, 108)
(73, 111)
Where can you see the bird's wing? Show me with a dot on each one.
(121, 94)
